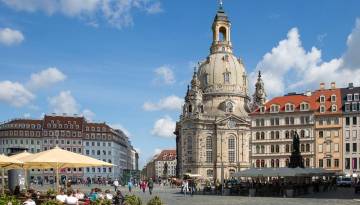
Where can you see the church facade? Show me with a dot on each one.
(213, 132)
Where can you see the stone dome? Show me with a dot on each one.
(223, 73)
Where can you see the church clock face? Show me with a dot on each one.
(231, 124)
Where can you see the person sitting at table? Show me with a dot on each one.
(93, 195)
(119, 198)
(29, 200)
(71, 199)
(61, 196)
(79, 195)
(108, 195)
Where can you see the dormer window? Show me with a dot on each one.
(322, 108)
(289, 107)
(304, 106)
(322, 99)
(227, 77)
(262, 109)
(333, 108)
(349, 97)
(333, 98)
(356, 97)
(274, 108)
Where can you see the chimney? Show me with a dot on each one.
(333, 85)
(351, 85)
(322, 86)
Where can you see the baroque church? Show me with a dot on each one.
(213, 132)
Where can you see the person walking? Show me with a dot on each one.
(151, 185)
(116, 184)
(185, 186)
(143, 186)
(130, 185)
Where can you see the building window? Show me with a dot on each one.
(206, 79)
(354, 106)
(347, 107)
(321, 134)
(347, 147)
(274, 108)
(328, 163)
(354, 163)
(209, 173)
(287, 148)
(289, 107)
(322, 99)
(349, 97)
(229, 107)
(354, 120)
(347, 163)
(231, 148)
(262, 135)
(356, 97)
(321, 163)
(354, 147)
(227, 77)
(336, 163)
(347, 121)
(333, 98)
(304, 106)
(333, 108)
(209, 149)
(322, 108)
(336, 147)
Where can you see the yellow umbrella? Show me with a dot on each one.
(20, 156)
(7, 162)
(58, 158)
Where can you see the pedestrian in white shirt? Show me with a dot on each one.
(61, 197)
(116, 184)
(71, 199)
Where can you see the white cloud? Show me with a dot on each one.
(45, 78)
(88, 114)
(164, 127)
(290, 66)
(117, 13)
(172, 102)
(165, 74)
(121, 127)
(10, 37)
(15, 94)
(64, 103)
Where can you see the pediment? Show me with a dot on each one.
(231, 121)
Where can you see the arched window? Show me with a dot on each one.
(272, 149)
(209, 152)
(287, 162)
(277, 148)
(277, 135)
(257, 163)
(231, 149)
(258, 136)
(307, 147)
(262, 163)
(302, 148)
(222, 34)
(227, 77)
(287, 134)
(302, 133)
(190, 108)
(277, 162)
(272, 163)
(292, 133)
(257, 149)
(262, 149)
(272, 135)
(287, 148)
(307, 162)
(262, 135)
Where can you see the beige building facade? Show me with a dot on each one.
(213, 132)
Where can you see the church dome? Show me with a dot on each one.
(223, 73)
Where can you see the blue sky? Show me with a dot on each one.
(127, 62)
